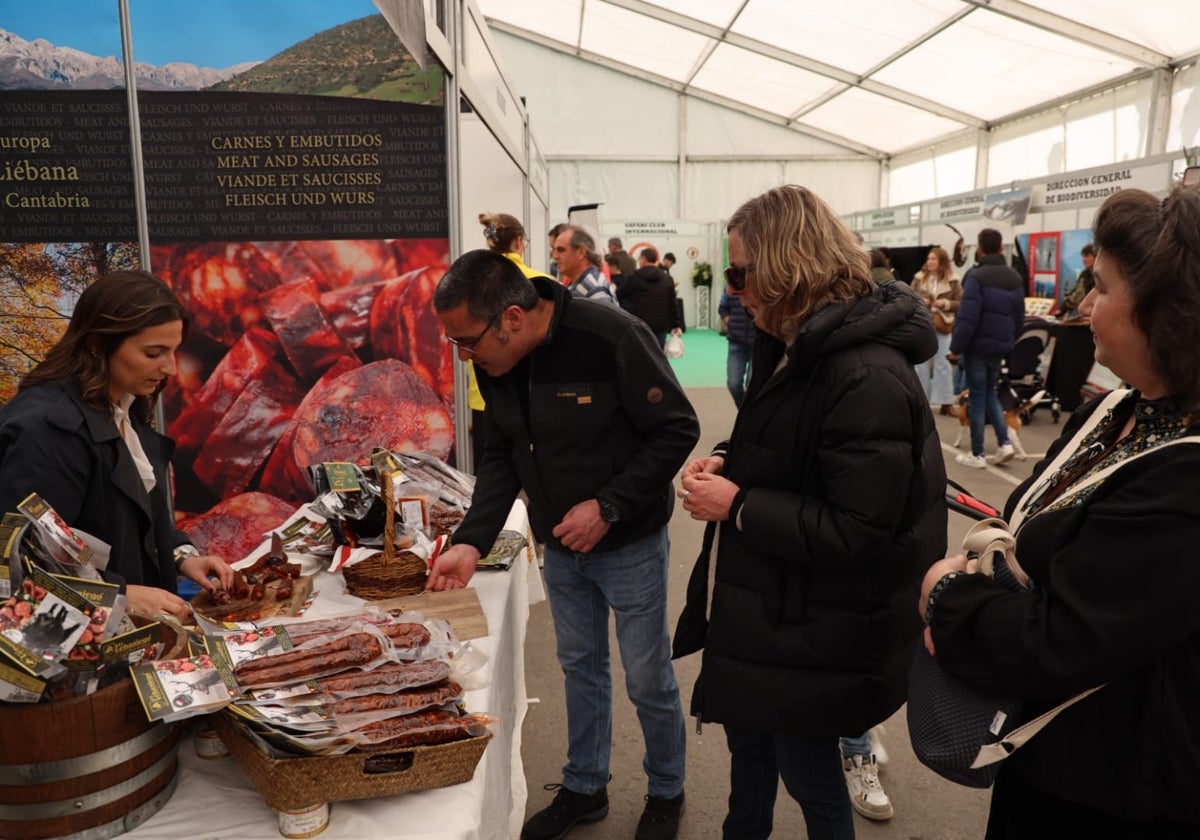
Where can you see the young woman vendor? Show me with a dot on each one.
(78, 434)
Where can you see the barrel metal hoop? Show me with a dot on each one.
(89, 801)
(83, 765)
(130, 821)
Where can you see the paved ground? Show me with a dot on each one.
(927, 807)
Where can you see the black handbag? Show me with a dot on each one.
(960, 733)
(956, 731)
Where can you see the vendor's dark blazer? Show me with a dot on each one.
(72, 456)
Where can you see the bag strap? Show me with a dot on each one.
(989, 537)
(1006, 746)
(1099, 476)
(1107, 404)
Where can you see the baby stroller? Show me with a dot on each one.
(1021, 381)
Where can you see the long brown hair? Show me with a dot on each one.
(943, 261)
(113, 308)
(804, 256)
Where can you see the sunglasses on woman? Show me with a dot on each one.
(735, 276)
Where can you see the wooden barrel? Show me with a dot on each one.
(92, 766)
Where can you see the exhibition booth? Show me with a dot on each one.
(301, 187)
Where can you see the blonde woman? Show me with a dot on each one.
(941, 291)
(823, 510)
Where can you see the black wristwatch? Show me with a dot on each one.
(608, 511)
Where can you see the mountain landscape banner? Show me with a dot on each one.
(293, 159)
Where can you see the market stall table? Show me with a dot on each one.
(214, 799)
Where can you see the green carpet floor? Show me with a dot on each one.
(702, 364)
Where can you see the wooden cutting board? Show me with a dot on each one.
(460, 607)
(245, 609)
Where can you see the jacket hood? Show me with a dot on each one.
(893, 315)
(650, 273)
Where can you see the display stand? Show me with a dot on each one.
(215, 799)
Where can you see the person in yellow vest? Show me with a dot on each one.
(505, 235)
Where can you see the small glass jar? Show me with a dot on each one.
(207, 742)
(306, 822)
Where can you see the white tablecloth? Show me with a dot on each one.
(215, 801)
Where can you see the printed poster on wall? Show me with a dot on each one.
(66, 175)
(295, 170)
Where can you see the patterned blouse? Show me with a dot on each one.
(1156, 422)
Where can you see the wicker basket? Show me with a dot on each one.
(386, 574)
(291, 784)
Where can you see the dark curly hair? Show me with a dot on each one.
(1157, 245)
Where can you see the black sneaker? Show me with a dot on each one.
(660, 819)
(568, 809)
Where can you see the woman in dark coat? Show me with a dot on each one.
(77, 433)
(1112, 557)
(826, 506)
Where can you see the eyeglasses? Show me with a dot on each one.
(468, 344)
(735, 276)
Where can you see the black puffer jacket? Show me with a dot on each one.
(992, 311)
(812, 626)
(649, 294)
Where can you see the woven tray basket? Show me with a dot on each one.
(292, 784)
(386, 574)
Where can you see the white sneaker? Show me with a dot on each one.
(877, 748)
(1005, 454)
(976, 461)
(866, 794)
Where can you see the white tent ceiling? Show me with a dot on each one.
(878, 77)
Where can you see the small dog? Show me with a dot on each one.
(1012, 419)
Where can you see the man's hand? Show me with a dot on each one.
(452, 569)
(582, 527)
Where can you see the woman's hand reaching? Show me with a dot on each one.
(200, 567)
(150, 601)
(707, 496)
(713, 464)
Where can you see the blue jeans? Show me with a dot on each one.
(936, 375)
(632, 582)
(811, 769)
(960, 375)
(737, 370)
(982, 373)
(857, 746)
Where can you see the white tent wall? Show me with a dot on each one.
(1111, 126)
(634, 143)
(1184, 131)
(586, 109)
(715, 130)
(624, 189)
(490, 181)
(537, 252)
(617, 140)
